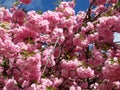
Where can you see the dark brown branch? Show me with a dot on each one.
(88, 17)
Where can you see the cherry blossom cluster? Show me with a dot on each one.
(60, 50)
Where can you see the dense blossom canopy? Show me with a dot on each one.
(60, 50)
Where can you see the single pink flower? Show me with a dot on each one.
(25, 1)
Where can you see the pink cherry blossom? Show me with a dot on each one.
(25, 1)
(18, 16)
(60, 49)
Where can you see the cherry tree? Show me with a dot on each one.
(60, 50)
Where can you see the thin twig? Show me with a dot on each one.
(88, 12)
(49, 57)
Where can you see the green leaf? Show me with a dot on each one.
(16, 2)
(106, 15)
(39, 12)
(112, 61)
(29, 40)
(99, 81)
(5, 62)
(58, 2)
(118, 60)
(99, 68)
(74, 57)
(5, 25)
(68, 56)
(50, 88)
(26, 54)
(117, 5)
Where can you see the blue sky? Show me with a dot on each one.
(44, 5)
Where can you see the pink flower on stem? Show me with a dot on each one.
(25, 1)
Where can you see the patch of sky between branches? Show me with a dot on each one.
(117, 37)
